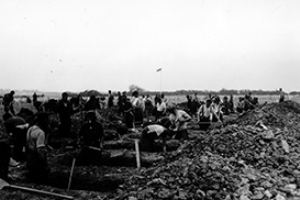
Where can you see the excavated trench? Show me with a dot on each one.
(93, 177)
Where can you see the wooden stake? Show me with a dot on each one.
(71, 174)
(137, 153)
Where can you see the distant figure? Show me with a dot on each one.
(161, 109)
(240, 105)
(8, 102)
(196, 97)
(195, 104)
(128, 116)
(217, 110)
(64, 109)
(189, 103)
(34, 97)
(226, 106)
(281, 95)
(37, 104)
(148, 106)
(231, 104)
(138, 107)
(120, 102)
(163, 98)
(77, 103)
(92, 103)
(205, 115)
(102, 102)
(156, 99)
(110, 102)
(36, 150)
(90, 135)
(248, 102)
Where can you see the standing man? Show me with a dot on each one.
(138, 107)
(8, 100)
(36, 150)
(281, 95)
(110, 102)
(148, 107)
(161, 109)
(205, 115)
(90, 139)
(231, 104)
(64, 111)
(120, 103)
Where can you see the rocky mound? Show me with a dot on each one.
(257, 158)
(276, 114)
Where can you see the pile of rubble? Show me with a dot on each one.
(285, 114)
(257, 158)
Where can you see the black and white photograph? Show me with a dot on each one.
(149, 100)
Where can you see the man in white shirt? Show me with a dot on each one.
(138, 107)
(205, 115)
(161, 108)
(155, 131)
(179, 119)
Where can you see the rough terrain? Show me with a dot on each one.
(255, 156)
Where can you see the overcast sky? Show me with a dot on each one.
(57, 45)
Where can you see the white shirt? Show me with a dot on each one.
(205, 111)
(180, 119)
(161, 107)
(158, 129)
(138, 102)
(35, 138)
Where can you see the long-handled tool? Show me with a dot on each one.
(71, 174)
(4, 184)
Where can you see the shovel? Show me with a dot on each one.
(4, 184)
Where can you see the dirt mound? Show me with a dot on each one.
(275, 114)
(241, 161)
(194, 177)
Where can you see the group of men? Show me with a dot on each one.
(26, 140)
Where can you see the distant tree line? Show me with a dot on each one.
(185, 92)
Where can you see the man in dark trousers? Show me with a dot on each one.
(90, 139)
(153, 132)
(110, 102)
(128, 116)
(64, 109)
